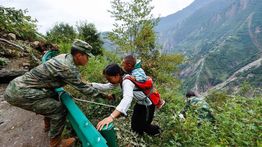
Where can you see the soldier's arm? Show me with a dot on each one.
(73, 78)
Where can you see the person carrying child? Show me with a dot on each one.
(134, 68)
(143, 112)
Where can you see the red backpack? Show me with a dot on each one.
(147, 88)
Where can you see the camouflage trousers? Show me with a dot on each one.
(40, 101)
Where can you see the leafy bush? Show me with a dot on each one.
(65, 47)
(17, 22)
(61, 33)
(238, 123)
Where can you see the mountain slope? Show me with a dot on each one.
(174, 20)
(219, 38)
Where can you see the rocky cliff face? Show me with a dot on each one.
(17, 56)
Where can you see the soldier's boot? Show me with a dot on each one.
(58, 142)
(47, 124)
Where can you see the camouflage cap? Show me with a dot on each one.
(83, 46)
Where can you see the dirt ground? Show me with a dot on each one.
(20, 128)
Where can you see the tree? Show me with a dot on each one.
(88, 33)
(134, 26)
(145, 42)
(61, 33)
(134, 33)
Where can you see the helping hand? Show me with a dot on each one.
(106, 121)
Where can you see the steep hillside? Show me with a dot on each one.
(173, 20)
(219, 38)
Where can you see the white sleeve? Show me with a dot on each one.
(103, 87)
(125, 103)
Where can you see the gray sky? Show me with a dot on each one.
(50, 12)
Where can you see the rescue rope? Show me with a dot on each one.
(86, 101)
(96, 103)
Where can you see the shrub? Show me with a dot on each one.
(61, 33)
(17, 22)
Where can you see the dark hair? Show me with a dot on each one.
(75, 51)
(113, 70)
(130, 59)
(190, 93)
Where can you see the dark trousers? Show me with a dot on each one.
(142, 118)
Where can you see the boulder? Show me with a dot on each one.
(11, 36)
(8, 75)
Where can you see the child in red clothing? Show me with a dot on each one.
(133, 67)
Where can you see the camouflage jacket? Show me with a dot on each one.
(197, 104)
(55, 73)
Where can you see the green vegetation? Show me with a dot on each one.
(238, 124)
(238, 120)
(61, 33)
(88, 33)
(64, 34)
(17, 22)
(133, 32)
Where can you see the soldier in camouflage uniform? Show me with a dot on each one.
(34, 91)
(199, 106)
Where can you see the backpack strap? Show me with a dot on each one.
(148, 84)
(146, 88)
(130, 78)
